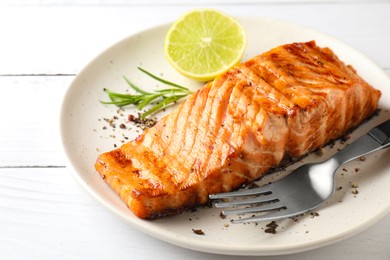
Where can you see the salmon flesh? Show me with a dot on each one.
(281, 104)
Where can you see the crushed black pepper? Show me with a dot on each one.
(271, 227)
(253, 185)
(345, 138)
(198, 231)
(119, 117)
(314, 214)
(141, 122)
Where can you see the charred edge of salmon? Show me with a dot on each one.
(146, 196)
(159, 205)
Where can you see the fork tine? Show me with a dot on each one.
(262, 208)
(280, 214)
(248, 192)
(259, 199)
(266, 217)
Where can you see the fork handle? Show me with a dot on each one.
(376, 139)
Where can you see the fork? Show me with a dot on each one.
(305, 188)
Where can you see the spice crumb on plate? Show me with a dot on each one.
(222, 216)
(198, 231)
(271, 227)
(314, 214)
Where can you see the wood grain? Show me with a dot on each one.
(63, 39)
(44, 212)
(29, 125)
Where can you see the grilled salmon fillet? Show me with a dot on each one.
(281, 104)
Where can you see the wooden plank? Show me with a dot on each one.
(46, 214)
(167, 2)
(79, 33)
(29, 125)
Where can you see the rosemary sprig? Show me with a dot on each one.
(159, 98)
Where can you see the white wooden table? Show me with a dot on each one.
(44, 213)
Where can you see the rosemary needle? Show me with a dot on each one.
(158, 99)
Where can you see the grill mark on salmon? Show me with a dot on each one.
(283, 103)
(207, 142)
(180, 133)
(181, 144)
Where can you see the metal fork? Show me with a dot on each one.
(305, 188)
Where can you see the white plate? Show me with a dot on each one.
(82, 122)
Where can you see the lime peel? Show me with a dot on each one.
(204, 43)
